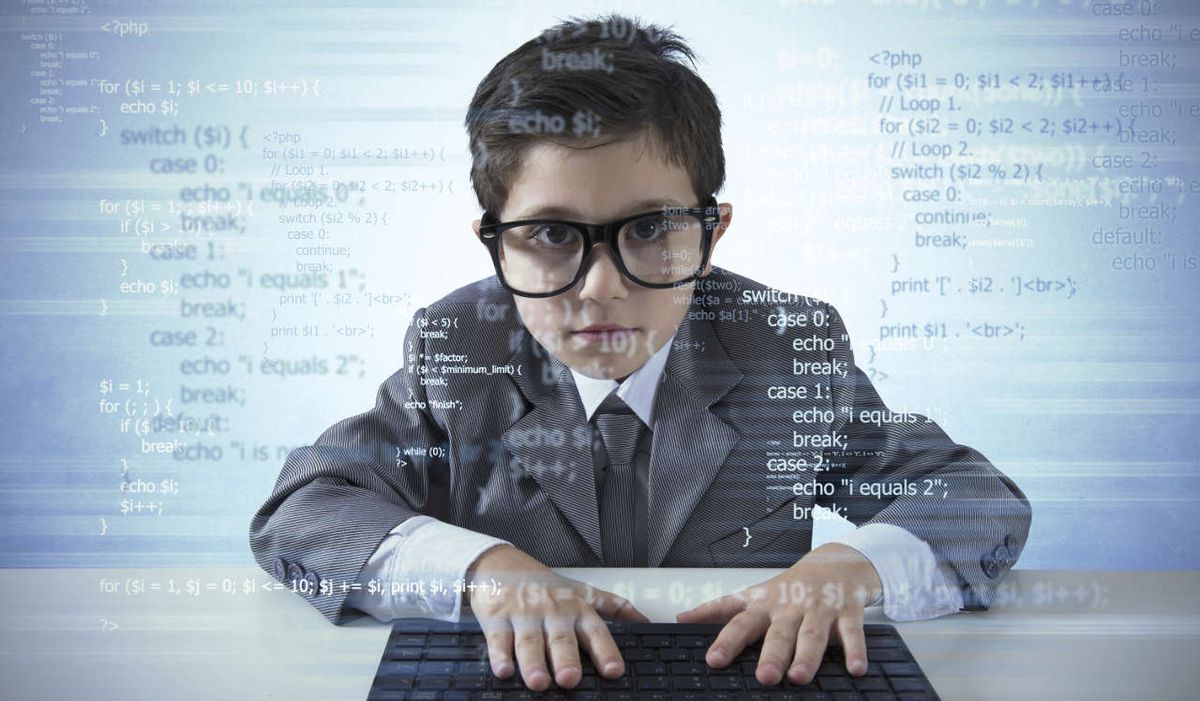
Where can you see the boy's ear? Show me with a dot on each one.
(475, 227)
(726, 211)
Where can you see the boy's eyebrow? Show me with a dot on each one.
(555, 211)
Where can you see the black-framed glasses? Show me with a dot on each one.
(667, 247)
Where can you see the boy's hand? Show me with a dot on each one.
(828, 588)
(540, 611)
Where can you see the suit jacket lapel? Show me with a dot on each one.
(690, 442)
(548, 441)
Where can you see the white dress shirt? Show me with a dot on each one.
(426, 556)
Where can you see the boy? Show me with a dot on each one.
(611, 398)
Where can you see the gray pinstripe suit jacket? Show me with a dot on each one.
(509, 453)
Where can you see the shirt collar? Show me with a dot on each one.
(637, 391)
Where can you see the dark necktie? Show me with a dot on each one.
(622, 497)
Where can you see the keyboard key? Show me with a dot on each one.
(650, 668)
(470, 683)
(408, 641)
(433, 683)
(405, 653)
(440, 669)
(470, 669)
(871, 684)
(513, 682)
(723, 682)
(880, 696)
(653, 683)
(691, 641)
(672, 654)
(392, 669)
(443, 640)
(909, 684)
(453, 653)
(901, 669)
(834, 684)
(410, 625)
(395, 682)
(689, 683)
(657, 641)
(847, 696)
(688, 668)
(621, 682)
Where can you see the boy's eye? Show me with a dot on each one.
(649, 228)
(553, 234)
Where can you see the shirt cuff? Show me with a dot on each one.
(419, 569)
(915, 587)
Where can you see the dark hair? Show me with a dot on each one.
(585, 82)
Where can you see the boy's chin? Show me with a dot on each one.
(602, 367)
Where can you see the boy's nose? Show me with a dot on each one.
(602, 280)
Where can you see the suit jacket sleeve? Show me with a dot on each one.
(336, 500)
(975, 519)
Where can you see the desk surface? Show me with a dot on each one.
(93, 634)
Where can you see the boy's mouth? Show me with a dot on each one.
(603, 333)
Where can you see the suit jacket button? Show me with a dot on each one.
(280, 569)
(991, 562)
(295, 572)
(312, 582)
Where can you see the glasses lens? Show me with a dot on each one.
(540, 258)
(662, 248)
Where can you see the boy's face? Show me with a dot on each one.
(596, 185)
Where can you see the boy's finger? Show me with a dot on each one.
(531, 652)
(611, 606)
(499, 636)
(850, 630)
(779, 646)
(563, 651)
(740, 631)
(718, 610)
(595, 637)
(627, 612)
(810, 647)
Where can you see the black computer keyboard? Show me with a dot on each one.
(439, 661)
